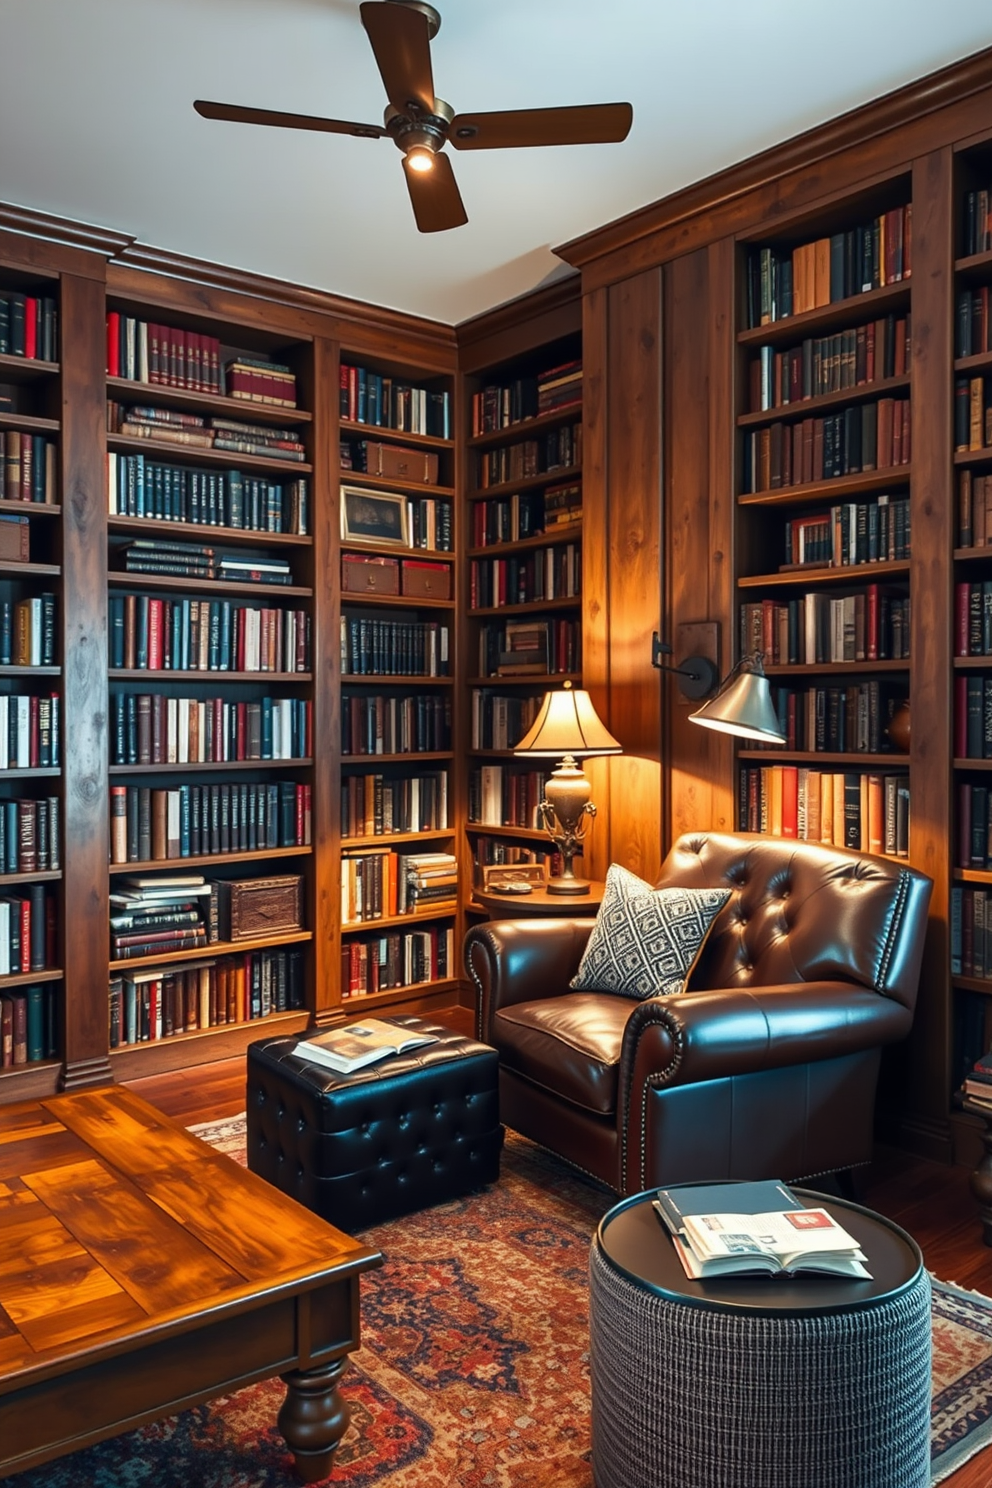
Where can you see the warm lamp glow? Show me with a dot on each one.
(420, 160)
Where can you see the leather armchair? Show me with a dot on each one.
(765, 1067)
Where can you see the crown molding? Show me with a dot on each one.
(63, 230)
(908, 104)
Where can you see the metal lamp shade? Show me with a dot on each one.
(743, 707)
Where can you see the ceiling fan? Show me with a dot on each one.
(421, 124)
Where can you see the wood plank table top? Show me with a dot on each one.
(142, 1272)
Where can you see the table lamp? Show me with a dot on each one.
(568, 728)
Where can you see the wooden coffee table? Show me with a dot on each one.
(141, 1272)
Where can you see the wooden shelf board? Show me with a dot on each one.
(973, 457)
(31, 508)
(972, 663)
(971, 984)
(350, 1005)
(974, 263)
(980, 361)
(25, 369)
(389, 838)
(414, 757)
(972, 555)
(395, 550)
(566, 533)
(31, 1081)
(396, 601)
(211, 587)
(190, 454)
(211, 860)
(211, 765)
(32, 772)
(851, 573)
(971, 764)
(29, 423)
(351, 429)
(837, 487)
(834, 668)
(525, 428)
(407, 921)
(36, 570)
(869, 764)
(24, 978)
(148, 394)
(809, 407)
(389, 679)
(527, 483)
(33, 671)
(538, 679)
(972, 875)
(209, 952)
(532, 834)
(532, 607)
(167, 674)
(391, 483)
(848, 313)
(199, 532)
(39, 875)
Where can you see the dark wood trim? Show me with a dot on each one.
(520, 325)
(73, 247)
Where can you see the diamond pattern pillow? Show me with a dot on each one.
(644, 939)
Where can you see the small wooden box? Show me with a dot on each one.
(422, 579)
(397, 462)
(251, 908)
(15, 538)
(361, 574)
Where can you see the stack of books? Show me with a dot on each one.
(977, 1085)
(259, 381)
(562, 504)
(428, 882)
(156, 916)
(559, 387)
(201, 561)
(170, 426)
(525, 649)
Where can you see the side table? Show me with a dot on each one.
(757, 1381)
(539, 902)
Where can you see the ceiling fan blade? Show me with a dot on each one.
(584, 124)
(437, 202)
(400, 39)
(234, 114)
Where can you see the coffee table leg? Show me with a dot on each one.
(314, 1418)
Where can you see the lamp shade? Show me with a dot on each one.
(568, 724)
(743, 707)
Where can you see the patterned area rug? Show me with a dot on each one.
(474, 1365)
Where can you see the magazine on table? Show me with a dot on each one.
(781, 1241)
(359, 1044)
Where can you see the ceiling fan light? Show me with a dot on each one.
(419, 159)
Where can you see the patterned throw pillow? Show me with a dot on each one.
(645, 941)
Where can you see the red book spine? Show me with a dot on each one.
(871, 652)
(790, 801)
(306, 815)
(34, 745)
(30, 327)
(155, 635)
(113, 343)
(962, 598)
(25, 935)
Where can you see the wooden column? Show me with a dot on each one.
(85, 938)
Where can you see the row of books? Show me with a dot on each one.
(972, 413)
(556, 449)
(784, 282)
(851, 533)
(499, 797)
(374, 805)
(865, 811)
(152, 729)
(971, 1029)
(381, 884)
(154, 555)
(139, 487)
(400, 958)
(27, 931)
(973, 825)
(428, 523)
(814, 629)
(500, 722)
(971, 932)
(520, 648)
(27, 631)
(157, 916)
(545, 573)
(836, 720)
(972, 330)
(190, 821)
(30, 835)
(977, 225)
(829, 364)
(862, 437)
(214, 635)
(501, 405)
(148, 1005)
(395, 725)
(202, 431)
(973, 618)
(972, 716)
(29, 326)
(974, 513)
(28, 1025)
(497, 851)
(170, 356)
(504, 519)
(29, 463)
(371, 647)
(30, 731)
(368, 397)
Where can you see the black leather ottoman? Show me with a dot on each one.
(413, 1130)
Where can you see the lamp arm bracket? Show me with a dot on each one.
(698, 676)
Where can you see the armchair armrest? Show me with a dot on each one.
(513, 961)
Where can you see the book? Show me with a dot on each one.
(765, 1194)
(359, 1044)
(777, 1242)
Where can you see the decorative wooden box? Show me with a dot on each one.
(396, 462)
(368, 575)
(422, 579)
(251, 908)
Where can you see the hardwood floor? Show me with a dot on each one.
(931, 1201)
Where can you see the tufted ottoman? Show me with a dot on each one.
(413, 1130)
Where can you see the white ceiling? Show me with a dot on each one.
(96, 122)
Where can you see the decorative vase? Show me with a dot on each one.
(898, 729)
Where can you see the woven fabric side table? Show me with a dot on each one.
(758, 1382)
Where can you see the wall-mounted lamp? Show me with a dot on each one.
(743, 704)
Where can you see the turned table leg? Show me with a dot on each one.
(314, 1418)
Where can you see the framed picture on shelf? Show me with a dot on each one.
(497, 876)
(374, 516)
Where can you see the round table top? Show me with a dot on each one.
(540, 902)
(635, 1240)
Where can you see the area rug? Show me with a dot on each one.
(474, 1366)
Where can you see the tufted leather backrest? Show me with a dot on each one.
(804, 912)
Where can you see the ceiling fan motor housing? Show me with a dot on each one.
(418, 129)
